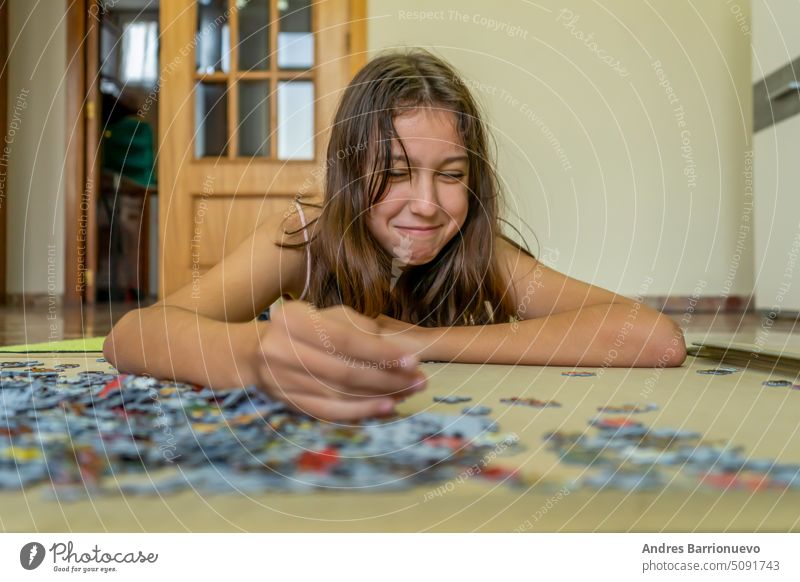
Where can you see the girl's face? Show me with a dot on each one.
(426, 204)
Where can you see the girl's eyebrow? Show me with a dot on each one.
(459, 158)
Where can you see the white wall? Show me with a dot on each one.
(776, 169)
(37, 48)
(775, 30)
(592, 152)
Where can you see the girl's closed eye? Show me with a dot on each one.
(448, 175)
(452, 175)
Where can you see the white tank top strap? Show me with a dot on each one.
(308, 250)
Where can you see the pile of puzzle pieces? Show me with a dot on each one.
(626, 454)
(105, 432)
(102, 432)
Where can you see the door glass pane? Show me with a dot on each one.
(213, 41)
(253, 35)
(296, 120)
(295, 38)
(253, 118)
(211, 119)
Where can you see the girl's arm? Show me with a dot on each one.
(596, 335)
(199, 333)
(564, 322)
(330, 363)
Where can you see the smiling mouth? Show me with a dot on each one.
(418, 233)
(418, 228)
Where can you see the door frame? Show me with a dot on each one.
(80, 179)
(4, 29)
(357, 36)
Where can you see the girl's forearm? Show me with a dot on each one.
(618, 334)
(171, 342)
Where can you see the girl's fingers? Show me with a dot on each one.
(333, 410)
(346, 332)
(361, 340)
(293, 383)
(345, 379)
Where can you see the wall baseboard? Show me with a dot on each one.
(684, 303)
(35, 300)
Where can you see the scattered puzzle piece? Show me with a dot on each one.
(66, 366)
(451, 399)
(628, 408)
(477, 410)
(778, 383)
(532, 402)
(720, 371)
(615, 423)
(23, 364)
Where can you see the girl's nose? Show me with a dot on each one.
(423, 199)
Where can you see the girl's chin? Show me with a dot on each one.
(417, 253)
(421, 260)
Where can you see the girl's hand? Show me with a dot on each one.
(332, 363)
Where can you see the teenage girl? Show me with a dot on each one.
(402, 261)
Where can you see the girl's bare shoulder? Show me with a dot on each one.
(290, 226)
(285, 227)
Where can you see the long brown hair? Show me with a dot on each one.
(464, 283)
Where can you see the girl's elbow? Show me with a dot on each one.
(110, 347)
(114, 344)
(667, 346)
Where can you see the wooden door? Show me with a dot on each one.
(247, 93)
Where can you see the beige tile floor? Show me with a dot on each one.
(23, 325)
